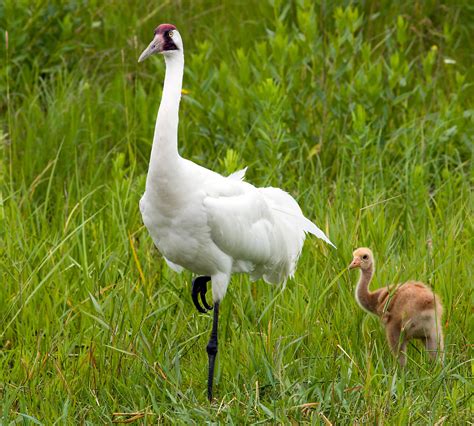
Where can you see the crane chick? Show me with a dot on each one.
(408, 311)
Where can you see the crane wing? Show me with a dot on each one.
(241, 225)
(261, 229)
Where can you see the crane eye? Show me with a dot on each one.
(365, 257)
(170, 34)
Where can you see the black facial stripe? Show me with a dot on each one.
(169, 43)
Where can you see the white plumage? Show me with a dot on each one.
(210, 224)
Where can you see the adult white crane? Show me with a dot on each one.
(210, 224)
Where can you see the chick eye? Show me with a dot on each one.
(365, 257)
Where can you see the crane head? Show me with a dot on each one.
(166, 40)
(362, 258)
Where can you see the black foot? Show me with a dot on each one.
(199, 287)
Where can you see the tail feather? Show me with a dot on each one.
(305, 224)
(293, 227)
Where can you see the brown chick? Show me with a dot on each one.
(408, 311)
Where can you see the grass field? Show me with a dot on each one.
(363, 111)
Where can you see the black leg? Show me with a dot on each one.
(199, 288)
(212, 351)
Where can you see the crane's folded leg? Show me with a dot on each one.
(212, 351)
(199, 287)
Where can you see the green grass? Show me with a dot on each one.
(353, 108)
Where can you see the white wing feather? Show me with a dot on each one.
(241, 225)
(282, 202)
(174, 266)
(238, 175)
(262, 229)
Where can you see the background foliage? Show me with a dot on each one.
(362, 110)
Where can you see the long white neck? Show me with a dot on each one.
(164, 152)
